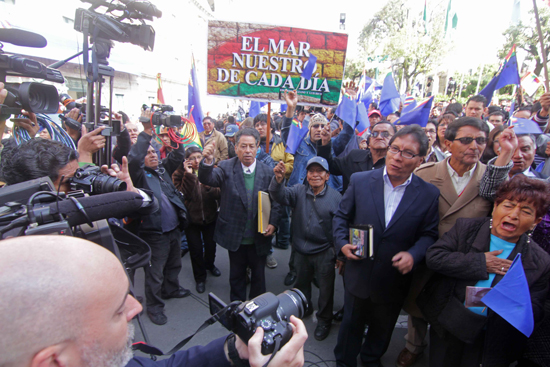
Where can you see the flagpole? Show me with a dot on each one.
(268, 132)
(461, 82)
(543, 53)
(479, 79)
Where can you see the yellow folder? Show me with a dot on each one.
(264, 210)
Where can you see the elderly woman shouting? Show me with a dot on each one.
(478, 252)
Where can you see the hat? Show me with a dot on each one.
(231, 130)
(375, 112)
(320, 161)
(318, 118)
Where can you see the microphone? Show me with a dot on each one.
(144, 7)
(23, 38)
(112, 205)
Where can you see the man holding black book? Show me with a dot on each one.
(313, 206)
(403, 210)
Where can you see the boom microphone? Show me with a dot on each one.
(112, 205)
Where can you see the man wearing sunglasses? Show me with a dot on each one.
(358, 160)
(458, 179)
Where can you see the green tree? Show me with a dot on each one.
(400, 33)
(353, 70)
(526, 37)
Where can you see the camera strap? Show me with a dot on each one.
(149, 349)
(152, 350)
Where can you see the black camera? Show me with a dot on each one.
(164, 115)
(110, 28)
(90, 180)
(268, 311)
(29, 96)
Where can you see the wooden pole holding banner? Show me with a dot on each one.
(268, 132)
(542, 49)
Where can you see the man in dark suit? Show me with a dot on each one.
(403, 209)
(240, 179)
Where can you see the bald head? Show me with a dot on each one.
(51, 289)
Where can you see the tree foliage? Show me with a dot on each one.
(526, 37)
(400, 33)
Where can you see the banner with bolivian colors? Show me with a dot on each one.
(258, 62)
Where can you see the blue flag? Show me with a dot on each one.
(525, 126)
(363, 122)
(347, 110)
(283, 107)
(297, 133)
(408, 108)
(255, 108)
(508, 74)
(511, 299)
(310, 66)
(193, 99)
(420, 115)
(390, 97)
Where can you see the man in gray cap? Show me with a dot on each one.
(313, 206)
(230, 131)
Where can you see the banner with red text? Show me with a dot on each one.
(257, 62)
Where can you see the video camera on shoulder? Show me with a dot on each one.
(268, 311)
(164, 115)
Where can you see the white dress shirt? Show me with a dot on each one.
(250, 169)
(460, 183)
(393, 195)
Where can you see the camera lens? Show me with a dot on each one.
(39, 98)
(104, 184)
(292, 302)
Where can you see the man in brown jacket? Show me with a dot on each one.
(210, 134)
(457, 178)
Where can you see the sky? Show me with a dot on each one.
(477, 39)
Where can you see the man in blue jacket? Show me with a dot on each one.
(403, 210)
(74, 309)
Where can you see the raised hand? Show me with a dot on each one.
(279, 171)
(208, 152)
(326, 134)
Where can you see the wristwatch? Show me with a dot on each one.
(234, 354)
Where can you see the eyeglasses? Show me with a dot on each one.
(384, 134)
(404, 154)
(317, 126)
(467, 140)
(430, 131)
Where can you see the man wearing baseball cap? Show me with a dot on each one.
(313, 205)
(230, 131)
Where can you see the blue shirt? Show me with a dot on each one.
(496, 244)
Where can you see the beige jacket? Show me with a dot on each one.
(221, 145)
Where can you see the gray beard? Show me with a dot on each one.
(93, 356)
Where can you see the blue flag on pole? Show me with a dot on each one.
(420, 115)
(511, 299)
(255, 108)
(310, 66)
(297, 133)
(193, 99)
(347, 110)
(363, 122)
(525, 126)
(508, 74)
(283, 107)
(390, 97)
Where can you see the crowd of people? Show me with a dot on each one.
(449, 204)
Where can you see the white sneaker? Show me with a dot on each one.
(271, 262)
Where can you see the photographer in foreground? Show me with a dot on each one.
(77, 312)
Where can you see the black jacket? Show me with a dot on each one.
(458, 259)
(311, 234)
(161, 179)
(357, 160)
